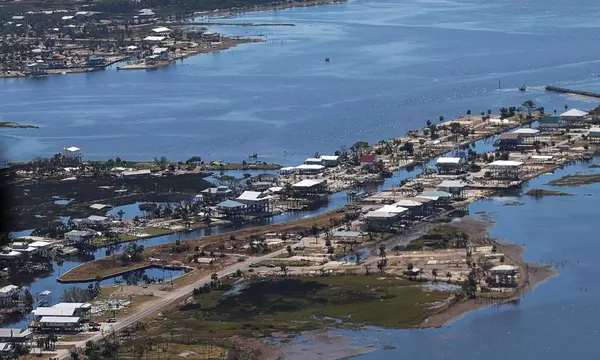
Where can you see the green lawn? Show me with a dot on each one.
(296, 304)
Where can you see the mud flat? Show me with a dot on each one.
(576, 180)
(543, 192)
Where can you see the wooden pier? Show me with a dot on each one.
(570, 91)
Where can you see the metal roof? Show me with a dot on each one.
(329, 157)
(393, 209)
(11, 332)
(452, 184)
(53, 311)
(308, 183)
(506, 163)
(574, 113)
(408, 203)
(448, 160)
(8, 288)
(60, 319)
(252, 196)
(230, 204)
(310, 167)
(380, 214)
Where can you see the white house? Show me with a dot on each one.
(77, 236)
(573, 117)
(7, 293)
(329, 160)
(73, 153)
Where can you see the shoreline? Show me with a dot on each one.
(268, 7)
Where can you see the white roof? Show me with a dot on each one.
(11, 332)
(380, 214)
(161, 29)
(595, 130)
(452, 184)
(448, 160)
(60, 319)
(308, 183)
(574, 113)
(310, 167)
(65, 305)
(154, 38)
(54, 311)
(159, 50)
(99, 206)
(72, 149)
(78, 233)
(136, 172)
(329, 157)
(12, 253)
(252, 196)
(96, 218)
(38, 244)
(504, 268)
(526, 131)
(8, 289)
(506, 163)
(287, 168)
(313, 160)
(542, 157)
(393, 209)
(67, 17)
(18, 17)
(408, 203)
(131, 47)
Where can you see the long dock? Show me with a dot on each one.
(570, 91)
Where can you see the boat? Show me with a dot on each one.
(327, 59)
(522, 88)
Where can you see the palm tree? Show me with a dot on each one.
(214, 279)
(469, 113)
(449, 276)
(566, 107)
(434, 273)
(441, 118)
(290, 251)
(120, 213)
(489, 112)
(530, 106)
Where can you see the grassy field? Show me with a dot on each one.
(299, 304)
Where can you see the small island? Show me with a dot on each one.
(576, 180)
(543, 192)
(12, 124)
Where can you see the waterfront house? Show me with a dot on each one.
(287, 170)
(509, 142)
(37, 68)
(57, 61)
(71, 323)
(330, 160)
(232, 210)
(78, 237)
(573, 118)
(449, 165)
(82, 310)
(542, 159)
(312, 169)
(256, 202)
(164, 31)
(24, 249)
(367, 159)
(384, 219)
(313, 161)
(455, 187)
(43, 247)
(216, 193)
(594, 135)
(12, 335)
(162, 53)
(96, 220)
(415, 208)
(505, 169)
(7, 294)
(549, 123)
(7, 351)
(73, 153)
(310, 188)
(437, 197)
(10, 257)
(527, 132)
(210, 36)
(95, 60)
(154, 39)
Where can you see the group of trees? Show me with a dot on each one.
(81, 295)
(133, 253)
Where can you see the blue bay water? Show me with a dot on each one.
(394, 64)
